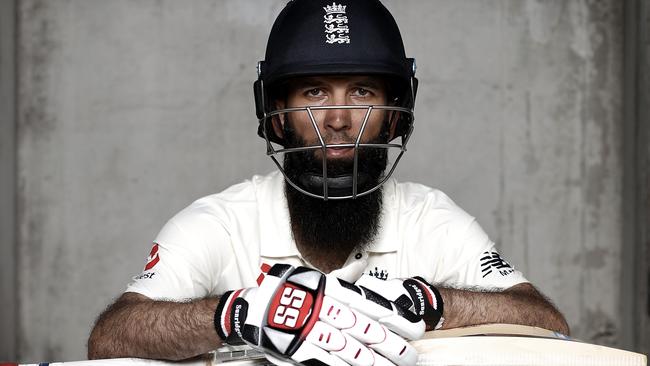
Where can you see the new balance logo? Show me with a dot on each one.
(493, 261)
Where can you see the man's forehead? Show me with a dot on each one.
(367, 80)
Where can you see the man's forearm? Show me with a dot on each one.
(521, 304)
(136, 326)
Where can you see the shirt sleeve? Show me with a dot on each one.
(182, 264)
(473, 261)
(456, 251)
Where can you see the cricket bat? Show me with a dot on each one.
(481, 345)
(489, 344)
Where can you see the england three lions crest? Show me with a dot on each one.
(336, 24)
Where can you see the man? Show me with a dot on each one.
(334, 94)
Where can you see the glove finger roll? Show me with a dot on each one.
(395, 318)
(352, 322)
(403, 327)
(355, 353)
(337, 314)
(309, 353)
(326, 337)
(397, 350)
(381, 360)
(367, 330)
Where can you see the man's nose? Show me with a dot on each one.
(338, 119)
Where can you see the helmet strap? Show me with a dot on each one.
(338, 186)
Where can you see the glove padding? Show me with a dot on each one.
(414, 294)
(300, 315)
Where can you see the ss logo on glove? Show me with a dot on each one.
(290, 308)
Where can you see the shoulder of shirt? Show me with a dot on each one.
(415, 195)
(239, 196)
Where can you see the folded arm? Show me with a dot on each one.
(137, 326)
(519, 304)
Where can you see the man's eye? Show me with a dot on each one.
(363, 92)
(314, 92)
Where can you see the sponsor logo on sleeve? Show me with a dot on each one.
(145, 275)
(153, 259)
(492, 262)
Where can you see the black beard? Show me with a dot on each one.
(334, 225)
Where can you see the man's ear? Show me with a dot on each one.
(394, 121)
(279, 120)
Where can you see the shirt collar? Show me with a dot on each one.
(388, 238)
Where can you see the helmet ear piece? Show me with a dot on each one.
(267, 126)
(260, 99)
(406, 100)
(260, 108)
(414, 90)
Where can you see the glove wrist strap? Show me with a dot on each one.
(223, 322)
(434, 318)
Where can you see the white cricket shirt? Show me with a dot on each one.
(221, 242)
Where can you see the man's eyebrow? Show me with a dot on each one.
(304, 83)
(370, 83)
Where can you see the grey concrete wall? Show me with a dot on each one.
(630, 251)
(7, 181)
(635, 278)
(642, 337)
(129, 110)
(520, 111)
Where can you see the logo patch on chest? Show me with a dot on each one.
(377, 273)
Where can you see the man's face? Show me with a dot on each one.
(336, 126)
(337, 225)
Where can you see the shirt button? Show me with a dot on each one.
(358, 256)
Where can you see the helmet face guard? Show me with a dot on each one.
(320, 38)
(340, 186)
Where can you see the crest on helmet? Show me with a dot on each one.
(336, 24)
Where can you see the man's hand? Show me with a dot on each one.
(520, 304)
(299, 315)
(414, 294)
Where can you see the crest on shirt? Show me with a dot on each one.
(153, 258)
(336, 24)
(492, 261)
(377, 273)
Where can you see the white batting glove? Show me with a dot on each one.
(300, 315)
(414, 294)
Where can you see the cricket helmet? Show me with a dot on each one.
(324, 38)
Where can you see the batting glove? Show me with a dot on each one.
(300, 315)
(414, 294)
